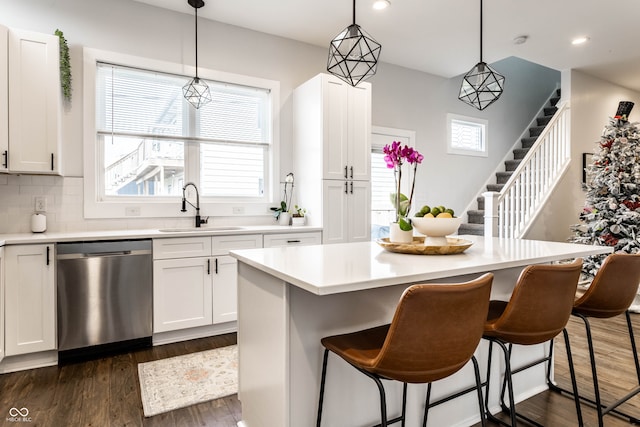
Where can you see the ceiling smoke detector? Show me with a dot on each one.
(520, 39)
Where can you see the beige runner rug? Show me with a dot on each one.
(181, 381)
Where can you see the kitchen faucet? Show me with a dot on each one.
(199, 220)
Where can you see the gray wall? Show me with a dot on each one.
(402, 98)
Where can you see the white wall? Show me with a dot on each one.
(593, 102)
(402, 98)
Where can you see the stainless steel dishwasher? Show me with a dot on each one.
(104, 297)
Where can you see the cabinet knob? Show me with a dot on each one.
(346, 188)
(351, 172)
(351, 187)
(345, 172)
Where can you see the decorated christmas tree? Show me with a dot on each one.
(611, 215)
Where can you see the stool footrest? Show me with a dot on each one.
(605, 409)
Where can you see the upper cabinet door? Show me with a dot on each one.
(335, 115)
(359, 132)
(34, 102)
(346, 129)
(4, 99)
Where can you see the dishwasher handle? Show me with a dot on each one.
(103, 254)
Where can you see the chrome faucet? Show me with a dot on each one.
(199, 220)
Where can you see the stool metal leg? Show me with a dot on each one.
(324, 376)
(597, 403)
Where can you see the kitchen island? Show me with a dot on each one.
(289, 298)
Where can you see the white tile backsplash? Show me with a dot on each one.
(65, 206)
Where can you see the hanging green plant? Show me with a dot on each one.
(65, 66)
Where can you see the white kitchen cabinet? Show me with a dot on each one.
(1, 303)
(333, 119)
(332, 156)
(182, 292)
(225, 289)
(346, 211)
(4, 99)
(30, 305)
(34, 102)
(195, 281)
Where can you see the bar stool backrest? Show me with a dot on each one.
(435, 330)
(613, 288)
(540, 304)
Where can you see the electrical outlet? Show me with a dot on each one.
(237, 210)
(132, 211)
(40, 204)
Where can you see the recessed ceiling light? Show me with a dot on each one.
(580, 40)
(381, 4)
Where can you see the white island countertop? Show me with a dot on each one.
(346, 267)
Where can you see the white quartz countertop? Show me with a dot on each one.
(346, 267)
(33, 238)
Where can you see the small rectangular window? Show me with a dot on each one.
(466, 136)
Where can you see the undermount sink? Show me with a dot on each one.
(191, 229)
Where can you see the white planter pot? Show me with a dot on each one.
(297, 220)
(284, 218)
(396, 235)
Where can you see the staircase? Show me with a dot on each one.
(475, 217)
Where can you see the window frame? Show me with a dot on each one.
(461, 151)
(169, 206)
(407, 137)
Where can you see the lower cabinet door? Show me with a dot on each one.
(225, 289)
(30, 314)
(182, 292)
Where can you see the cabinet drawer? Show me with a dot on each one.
(181, 247)
(221, 245)
(292, 239)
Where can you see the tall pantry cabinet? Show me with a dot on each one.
(332, 157)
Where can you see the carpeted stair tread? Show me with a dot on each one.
(473, 229)
(519, 153)
(503, 177)
(495, 187)
(543, 121)
(550, 111)
(475, 216)
(536, 130)
(511, 165)
(528, 142)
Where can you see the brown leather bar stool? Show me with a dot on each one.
(537, 311)
(434, 332)
(610, 294)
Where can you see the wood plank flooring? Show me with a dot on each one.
(106, 392)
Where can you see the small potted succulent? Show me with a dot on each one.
(297, 218)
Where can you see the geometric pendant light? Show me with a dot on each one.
(196, 91)
(353, 54)
(482, 85)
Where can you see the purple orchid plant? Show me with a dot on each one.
(395, 155)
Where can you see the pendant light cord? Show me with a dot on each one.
(196, 15)
(481, 31)
(354, 12)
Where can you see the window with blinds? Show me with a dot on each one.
(150, 139)
(466, 135)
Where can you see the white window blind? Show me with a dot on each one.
(467, 135)
(144, 128)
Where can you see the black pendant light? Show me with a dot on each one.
(353, 54)
(196, 91)
(481, 86)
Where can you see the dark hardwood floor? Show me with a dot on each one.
(106, 392)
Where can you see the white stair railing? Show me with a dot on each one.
(511, 212)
